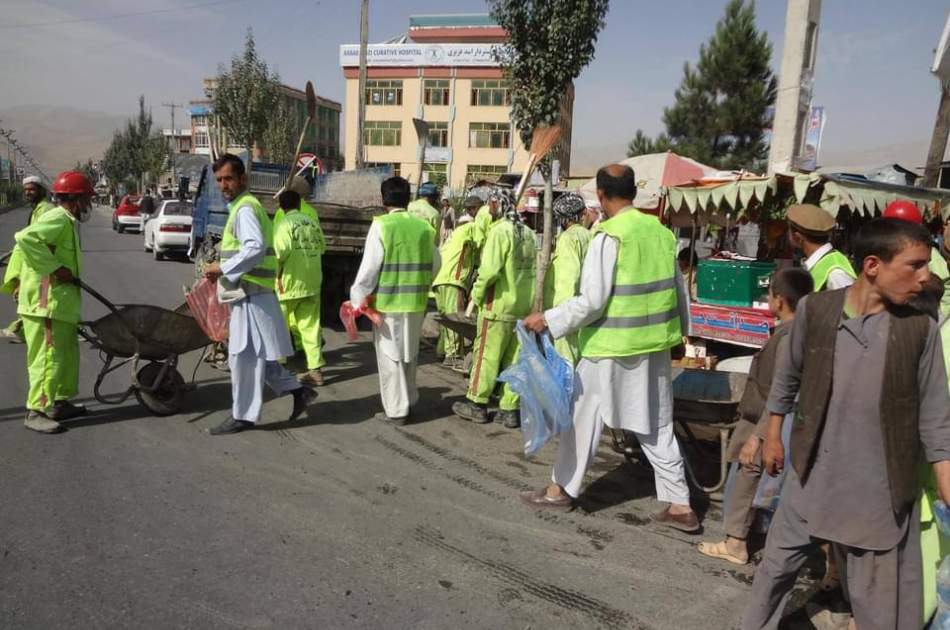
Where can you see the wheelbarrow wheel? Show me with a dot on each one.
(165, 398)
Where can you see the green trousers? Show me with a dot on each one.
(496, 347)
(52, 361)
(450, 299)
(303, 320)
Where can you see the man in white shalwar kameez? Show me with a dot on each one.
(631, 391)
(397, 284)
(258, 335)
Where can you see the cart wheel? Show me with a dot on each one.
(165, 399)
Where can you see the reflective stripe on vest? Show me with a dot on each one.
(262, 276)
(642, 313)
(406, 274)
(828, 263)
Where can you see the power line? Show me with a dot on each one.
(11, 142)
(118, 16)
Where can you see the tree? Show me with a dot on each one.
(280, 137)
(89, 169)
(719, 112)
(245, 96)
(136, 153)
(642, 144)
(549, 43)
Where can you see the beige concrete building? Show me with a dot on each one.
(442, 71)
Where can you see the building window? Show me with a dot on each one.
(489, 135)
(490, 93)
(438, 134)
(437, 92)
(201, 140)
(384, 92)
(395, 166)
(476, 172)
(378, 133)
(199, 120)
(437, 173)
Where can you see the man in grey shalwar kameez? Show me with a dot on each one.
(258, 335)
(632, 390)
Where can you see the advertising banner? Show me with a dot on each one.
(414, 55)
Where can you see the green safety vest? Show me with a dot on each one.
(50, 242)
(828, 263)
(14, 264)
(483, 223)
(642, 313)
(504, 288)
(563, 278)
(261, 276)
(406, 275)
(422, 209)
(305, 209)
(458, 257)
(299, 246)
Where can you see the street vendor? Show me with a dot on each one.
(258, 337)
(810, 230)
(34, 193)
(49, 303)
(424, 207)
(868, 378)
(399, 261)
(299, 247)
(563, 278)
(504, 293)
(630, 311)
(454, 281)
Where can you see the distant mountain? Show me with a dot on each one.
(58, 137)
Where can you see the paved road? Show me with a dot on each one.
(128, 520)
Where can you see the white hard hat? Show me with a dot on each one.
(33, 179)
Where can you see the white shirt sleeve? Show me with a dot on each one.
(248, 231)
(838, 279)
(368, 274)
(682, 300)
(597, 279)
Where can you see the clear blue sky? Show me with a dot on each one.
(872, 75)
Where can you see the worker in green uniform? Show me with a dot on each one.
(504, 293)
(300, 186)
(459, 256)
(34, 193)
(486, 216)
(299, 247)
(425, 205)
(49, 304)
(563, 278)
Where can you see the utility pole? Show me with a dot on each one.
(793, 102)
(938, 141)
(173, 107)
(361, 114)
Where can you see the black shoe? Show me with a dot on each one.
(230, 426)
(470, 411)
(303, 398)
(510, 419)
(382, 417)
(64, 410)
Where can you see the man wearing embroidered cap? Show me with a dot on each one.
(34, 192)
(810, 230)
(258, 336)
(563, 278)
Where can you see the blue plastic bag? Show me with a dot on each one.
(767, 494)
(545, 382)
(942, 514)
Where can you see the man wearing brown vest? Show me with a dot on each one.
(872, 404)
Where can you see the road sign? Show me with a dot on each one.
(304, 159)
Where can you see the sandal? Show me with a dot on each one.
(721, 551)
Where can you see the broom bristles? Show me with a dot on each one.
(311, 100)
(543, 139)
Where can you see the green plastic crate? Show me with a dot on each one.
(733, 282)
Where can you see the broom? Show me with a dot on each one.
(311, 114)
(543, 139)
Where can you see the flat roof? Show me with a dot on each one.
(459, 20)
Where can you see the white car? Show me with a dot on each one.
(169, 229)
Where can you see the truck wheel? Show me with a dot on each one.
(165, 399)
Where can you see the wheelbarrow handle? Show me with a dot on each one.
(88, 289)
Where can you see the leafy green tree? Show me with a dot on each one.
(245, 97)
(280, 136)
(549, 43)
(89, 169)
(137, 153)
(643, 144)
(719, 112)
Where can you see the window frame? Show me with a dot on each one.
(494, 93)
(383, 89)
(376, 133)
(431, 87)
(489, 135)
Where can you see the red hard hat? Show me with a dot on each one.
(72, 183)
(904, 210)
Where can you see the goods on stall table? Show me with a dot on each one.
(744, 326)
(733, 282)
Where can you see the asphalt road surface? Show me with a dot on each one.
(337, 521)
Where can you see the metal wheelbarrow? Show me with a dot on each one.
(137, 333)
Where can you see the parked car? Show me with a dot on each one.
(126, 216)
(169, 229)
